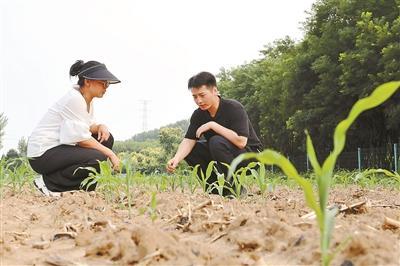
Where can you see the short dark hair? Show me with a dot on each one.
(202, 78)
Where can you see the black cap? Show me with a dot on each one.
(98, 72)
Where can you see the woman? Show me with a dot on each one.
(68, 137)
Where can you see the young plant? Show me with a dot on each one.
(104, 180)
(239, 178)
(151, 209)
(191, 179)
(128, 180)
(203, 179)
(19, 173)
(220, 184)
(259, 176)
(393, 179)
(325, 216)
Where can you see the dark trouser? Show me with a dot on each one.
(217, 149)
(59, 165)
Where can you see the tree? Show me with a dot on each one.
(170, 139)
(3, 123)
(12, 154)
(22, 147)
(349, 48)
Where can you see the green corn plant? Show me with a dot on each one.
(191, 179)
(238, 178)
(220, 183)
(181, 182)
(151, 209)
(127, 164)
(3, 175)
(204, 177)
(19, 173)
(161, 182)
(180, 176)
(259, 176)
(325, 216)
(106, 181)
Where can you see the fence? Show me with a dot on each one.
(362, 158)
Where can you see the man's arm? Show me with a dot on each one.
(232, 136)
(184, 149)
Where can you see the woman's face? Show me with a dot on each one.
(98, 87)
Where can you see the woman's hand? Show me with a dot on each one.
(115, 162)
(102, 133)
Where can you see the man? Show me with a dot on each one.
(224, 124)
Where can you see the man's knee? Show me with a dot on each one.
(198, 154)
(218, 141)
(219, 147)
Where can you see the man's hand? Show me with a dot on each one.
(171, 165)
(102, 134)
(204, 128)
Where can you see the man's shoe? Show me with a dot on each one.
(41, 186)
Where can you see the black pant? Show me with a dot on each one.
(217, 149)
(59, 165)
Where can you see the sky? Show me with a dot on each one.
(152, 46)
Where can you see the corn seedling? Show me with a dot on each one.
(259, 176)
(220, 183)
(151, 209)
(191, 179)
(128, 178)
(203, 179)
(19, 173)
(104, 180)
(238, 178)
(325, 216)
(180, 175)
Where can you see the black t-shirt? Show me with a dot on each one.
(230, 114)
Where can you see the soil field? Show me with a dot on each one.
(80, 228)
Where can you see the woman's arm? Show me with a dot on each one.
(94, 144)
(101, 130)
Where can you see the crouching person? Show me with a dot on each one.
(225, 125)
(67, 137)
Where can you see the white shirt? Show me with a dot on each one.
(66, 122)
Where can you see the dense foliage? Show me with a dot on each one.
(150, 150)
(349, 47)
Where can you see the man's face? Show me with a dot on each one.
(204, 96)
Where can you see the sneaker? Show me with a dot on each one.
(41, 186)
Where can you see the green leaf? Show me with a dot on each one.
(312, 156)
(209, 169)
(329, 223)
(271, 157)
(378, 96)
